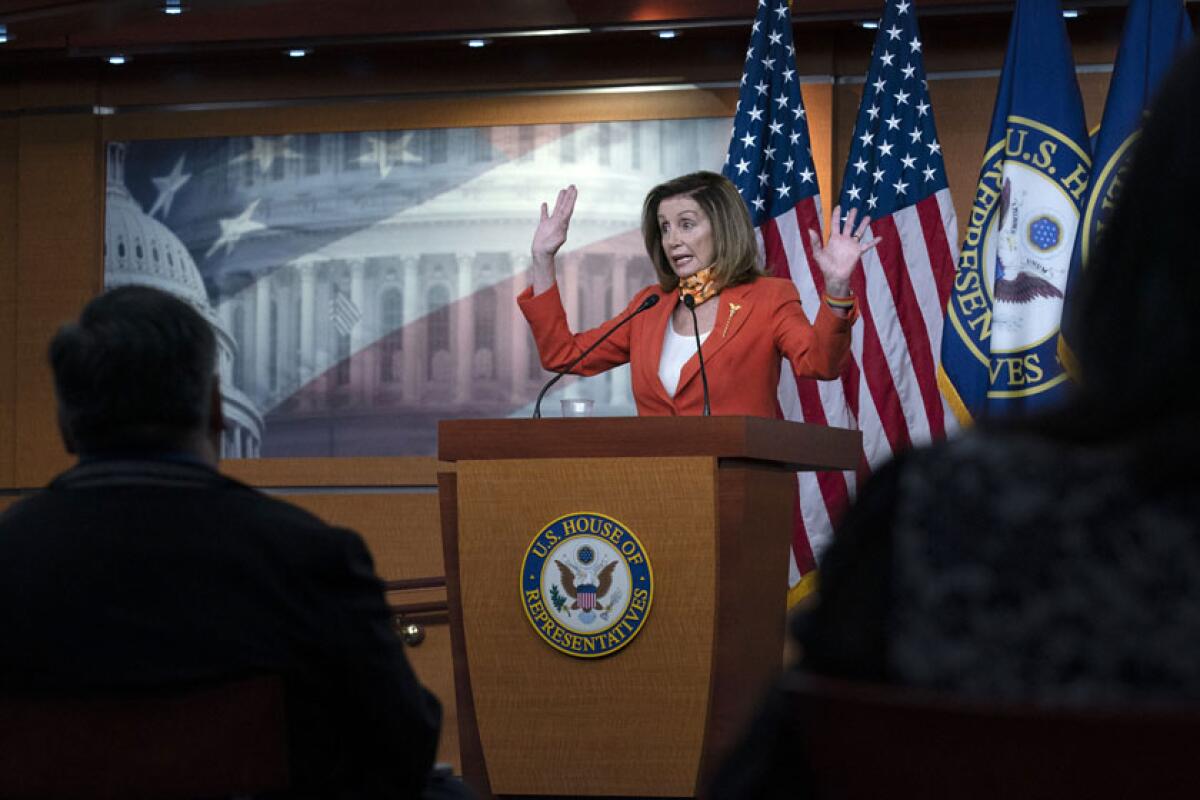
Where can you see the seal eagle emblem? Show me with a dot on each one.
(1012, 275)
(586, 588)
(586, 585)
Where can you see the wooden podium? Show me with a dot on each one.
(711, 499)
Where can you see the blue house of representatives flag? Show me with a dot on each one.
(1000, 343)
(1156, 32)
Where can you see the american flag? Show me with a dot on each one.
(889, 388)
(896, 174)
(770, 160)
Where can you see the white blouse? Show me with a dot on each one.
(677, 349)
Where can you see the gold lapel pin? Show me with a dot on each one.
(733, 309)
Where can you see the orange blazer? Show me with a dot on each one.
(758, 324)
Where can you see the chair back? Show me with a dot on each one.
(879, 741)
(215, 741)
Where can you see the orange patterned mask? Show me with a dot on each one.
(699, 285)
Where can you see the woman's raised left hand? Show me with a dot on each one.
(840, 255)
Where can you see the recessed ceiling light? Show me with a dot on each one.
(1071, 13)
(3, 34)
(298, 52)
(117, 60)
(172, 7)
(869, 24)
(667, 34)
(478, 42)
(548, 32)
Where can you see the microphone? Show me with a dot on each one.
(649, 302)
(690, 302)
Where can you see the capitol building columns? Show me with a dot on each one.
(520, 341)
(260, 385)
(619, 388)
(464, 340)
(308, 304)
(412, 374)
(363, 372)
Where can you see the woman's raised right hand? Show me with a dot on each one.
(552, 227)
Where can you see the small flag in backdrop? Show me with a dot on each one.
(343, 311)
(1000, 345)
(896, 174)
(1156, 32)
(770, 160)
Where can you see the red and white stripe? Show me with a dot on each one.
(888, 390)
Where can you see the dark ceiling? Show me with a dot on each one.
(222, 51)
(56, 29)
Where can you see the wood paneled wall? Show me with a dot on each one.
(60, 237)
(8, 296)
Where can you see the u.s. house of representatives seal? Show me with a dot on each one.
(586, 585)
(1008, 289)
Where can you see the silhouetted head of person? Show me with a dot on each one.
(136, 373)
(1132, 327)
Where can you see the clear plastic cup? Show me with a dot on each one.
(577, 407)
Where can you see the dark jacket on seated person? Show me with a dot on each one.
(144, 572)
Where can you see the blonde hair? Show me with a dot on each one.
(735, 249)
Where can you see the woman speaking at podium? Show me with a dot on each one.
(710, 288)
